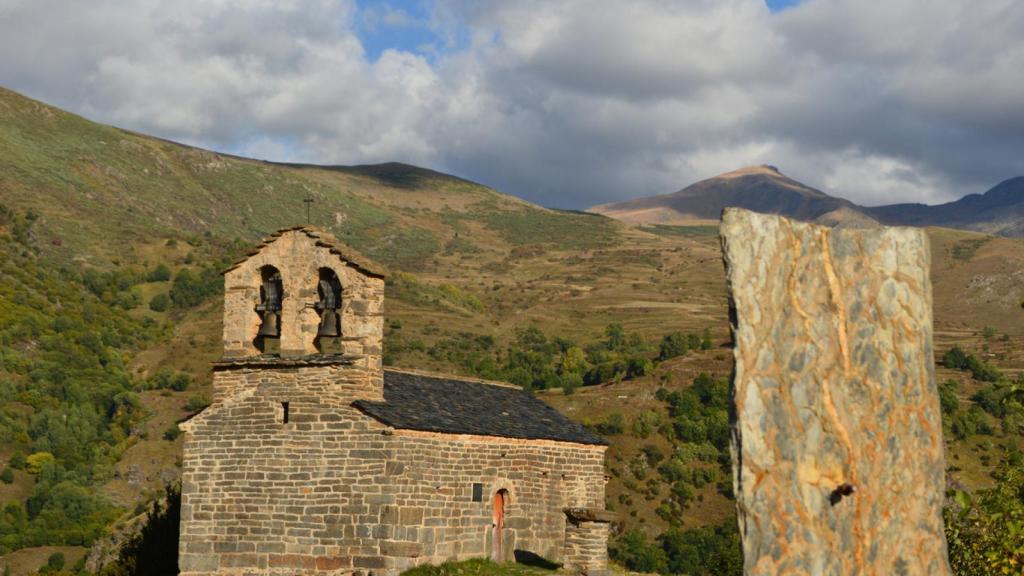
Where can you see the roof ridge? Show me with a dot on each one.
(323, 239)
(457, 377)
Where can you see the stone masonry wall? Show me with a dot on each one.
(837, 448)
(586, 547)
(299, 257)
(340, 381)
(334, 492)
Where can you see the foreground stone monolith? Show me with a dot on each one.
(837, 448)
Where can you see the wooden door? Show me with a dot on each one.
(500, 498)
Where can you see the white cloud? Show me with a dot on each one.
(570, 103)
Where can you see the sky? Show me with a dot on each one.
(567, 104)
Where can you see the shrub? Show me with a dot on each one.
(197, 403)
(172, 433)
(159, 274)
(166, 378)
(705, 342)
(18, 461)
(970, 423)
(570, 382)
(613, 424)
(160, 303)
(653, 454)
(36, 462)
(646, 423)
(7, 476)
(55, 562)
(180, 382)
(990, 400)
(957, 359)
(948, 399)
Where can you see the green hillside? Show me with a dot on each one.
(110, 247)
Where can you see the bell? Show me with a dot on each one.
(328, 324)
(269, 326)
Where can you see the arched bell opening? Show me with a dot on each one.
(328, 306)
(268, 337)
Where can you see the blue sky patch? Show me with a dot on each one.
(780, 5)
(403, 25)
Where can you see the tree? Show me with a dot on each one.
(986, 532)
(153, 551)
(693, 341)
(574, 361)
(672, 345)
(633, 551)
(186, 291)
(955, 358)
(638, 366)
(570, 382)
(616, 335)
(948, 400)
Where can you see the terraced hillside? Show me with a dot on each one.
(111, 246)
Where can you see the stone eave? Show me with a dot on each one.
(274, 361)
(578, 514)
(412, 432)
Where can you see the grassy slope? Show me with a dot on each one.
(30, 560)
(109, 197)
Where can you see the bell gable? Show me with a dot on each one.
(300, 294)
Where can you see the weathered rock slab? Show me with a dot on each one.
(837, 447)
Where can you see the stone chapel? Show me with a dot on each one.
(315, 460)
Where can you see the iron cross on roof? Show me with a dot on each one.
(307, 202)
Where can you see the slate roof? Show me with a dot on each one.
(448, 405)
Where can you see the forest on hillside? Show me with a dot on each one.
(70, 407)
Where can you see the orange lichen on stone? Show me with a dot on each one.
(837, 446)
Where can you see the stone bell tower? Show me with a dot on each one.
(303, 303)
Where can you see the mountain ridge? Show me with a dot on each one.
(761, 188)
(764, 188)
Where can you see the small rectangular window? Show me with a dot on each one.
(284, 412)
(478, 492)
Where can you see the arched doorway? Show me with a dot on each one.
(500, 500)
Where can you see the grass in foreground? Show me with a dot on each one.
(477, 568)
